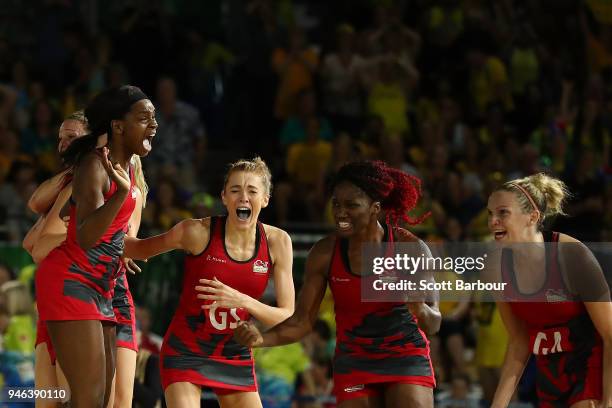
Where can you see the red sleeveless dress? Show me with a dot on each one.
(199, 347)
(568, 348)
(377, 343)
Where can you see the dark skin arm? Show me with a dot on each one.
(427, 313)
(94, 216)
(309, 300)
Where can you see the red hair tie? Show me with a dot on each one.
(535, 207)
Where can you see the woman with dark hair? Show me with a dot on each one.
(49, 232)
(75, 282)
(382, 357)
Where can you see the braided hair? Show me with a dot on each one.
(397, 191)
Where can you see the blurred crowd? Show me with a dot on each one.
(462, 93)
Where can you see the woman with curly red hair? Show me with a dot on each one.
(382, 356)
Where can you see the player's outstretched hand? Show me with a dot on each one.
(130, 266)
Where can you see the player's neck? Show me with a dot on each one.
(119, 155)
(374, 232)
(240, 236)
(533, 236)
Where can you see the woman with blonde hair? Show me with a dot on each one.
(545, 310)
(230, 259)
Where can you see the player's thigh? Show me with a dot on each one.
(44, 371)
(240, 399)
(183, 395)
(370, 396)
(44, 374)
(408, 396)
(79, 346)
(372, 401)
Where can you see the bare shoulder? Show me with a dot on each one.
(90, 175)
(193, 234)
(323, 248)
(193, 230)
(279, 243)
(196, 226)
(90, 162)
(572, 250)
(276, 235)
(319, 258)
(567, 238)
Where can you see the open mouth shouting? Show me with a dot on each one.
(243, 213)
(500, 234)
(147, 142)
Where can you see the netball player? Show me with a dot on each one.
(571, 339)
(230, 258)
(382, 356)
(76, 280)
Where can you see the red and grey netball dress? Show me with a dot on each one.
(568, 348)
(125, 313)
(77, 284)
(123, 306)
(377, 343)
(42, 336)
(199, 347)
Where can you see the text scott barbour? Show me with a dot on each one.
(410, 264)
(446, 285)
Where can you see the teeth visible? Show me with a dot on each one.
(344, 224)
(243, 212)
(146, 144)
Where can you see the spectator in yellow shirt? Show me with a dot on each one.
(295, 67)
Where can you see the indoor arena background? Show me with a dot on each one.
(462, 93)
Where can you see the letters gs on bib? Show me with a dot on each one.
(221, 321)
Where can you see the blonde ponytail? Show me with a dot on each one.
(554, 193)
(139, 179)
(539, 192)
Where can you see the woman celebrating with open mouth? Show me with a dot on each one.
(229, 259)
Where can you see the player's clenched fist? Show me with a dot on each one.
(248, 335)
